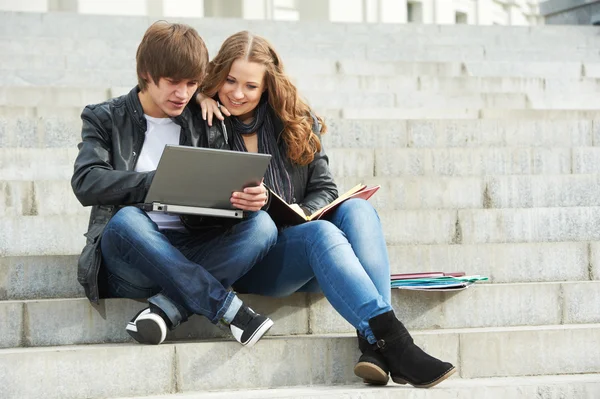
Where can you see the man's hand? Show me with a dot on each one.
(211, 108)
(251, 199)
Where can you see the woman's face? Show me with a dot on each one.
(242, 89)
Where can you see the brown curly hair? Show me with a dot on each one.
(301, 142)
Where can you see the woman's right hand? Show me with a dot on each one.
(211, 108)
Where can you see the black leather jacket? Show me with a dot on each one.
(113, 134)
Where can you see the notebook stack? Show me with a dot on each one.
(434, 281)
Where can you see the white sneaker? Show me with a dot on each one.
(147, 327)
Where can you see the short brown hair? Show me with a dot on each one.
(170, 50)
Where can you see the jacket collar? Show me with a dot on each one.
(134, 106)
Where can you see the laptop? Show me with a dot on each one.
(199, 181)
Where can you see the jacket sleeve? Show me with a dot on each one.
(95, 181)
(321, 188)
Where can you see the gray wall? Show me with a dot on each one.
(571, 12)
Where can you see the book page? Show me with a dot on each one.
(338, 200)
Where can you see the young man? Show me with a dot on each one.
(134, 254)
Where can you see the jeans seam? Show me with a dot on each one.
(224, 308)
(326, 275)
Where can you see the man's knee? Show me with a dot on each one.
(263, 229)
(129, 219)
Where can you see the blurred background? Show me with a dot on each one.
(479, 119)
(480, 12)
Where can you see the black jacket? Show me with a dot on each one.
(113, 134)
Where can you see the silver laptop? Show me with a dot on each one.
(199, 181)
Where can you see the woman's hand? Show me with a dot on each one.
(251, 199)
(210, 107)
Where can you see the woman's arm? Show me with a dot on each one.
(210, 107)
(321, 188)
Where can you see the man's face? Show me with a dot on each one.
(168, 98)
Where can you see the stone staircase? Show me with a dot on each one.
(486, 142)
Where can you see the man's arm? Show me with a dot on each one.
(94, 180)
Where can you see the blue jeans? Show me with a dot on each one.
(183, 272)
(345, 256)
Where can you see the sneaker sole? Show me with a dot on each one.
(147, 331)
(260, 331)
(443, 377)
(371, 373)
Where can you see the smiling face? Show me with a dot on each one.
(241, 91)
(168, 98)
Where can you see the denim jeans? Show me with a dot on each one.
(345, 256)
(183, 272)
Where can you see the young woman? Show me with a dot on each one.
(344, 256)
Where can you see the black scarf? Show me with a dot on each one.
(276, 177)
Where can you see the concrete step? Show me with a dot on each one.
(53, 25)
(9, 111)
(74, 321)
(475, 226)
(26, 164)
(55, 197)
(548, 86)
(556, 386)
(352, 133)
(324, 39)
(349, 92)
(56, 25)
(63, 235)
(320, 98)
(100, 371)
(529, 191)
(503, 262)
(36, 277)
(39, 198)
(52, 96)
(68, 71)
(567, 101)
(55, 276)
(323, 45)
(408, 83)
(394, 162)
(37, 163)
(41, 131)
(65, 132)
(458, 113)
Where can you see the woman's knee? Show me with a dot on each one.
(357, 206)
(318, 231)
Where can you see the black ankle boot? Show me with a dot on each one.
(407, 362)
(371, 366)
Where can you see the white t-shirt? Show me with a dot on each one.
(161, 131)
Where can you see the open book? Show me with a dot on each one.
(285, 215)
